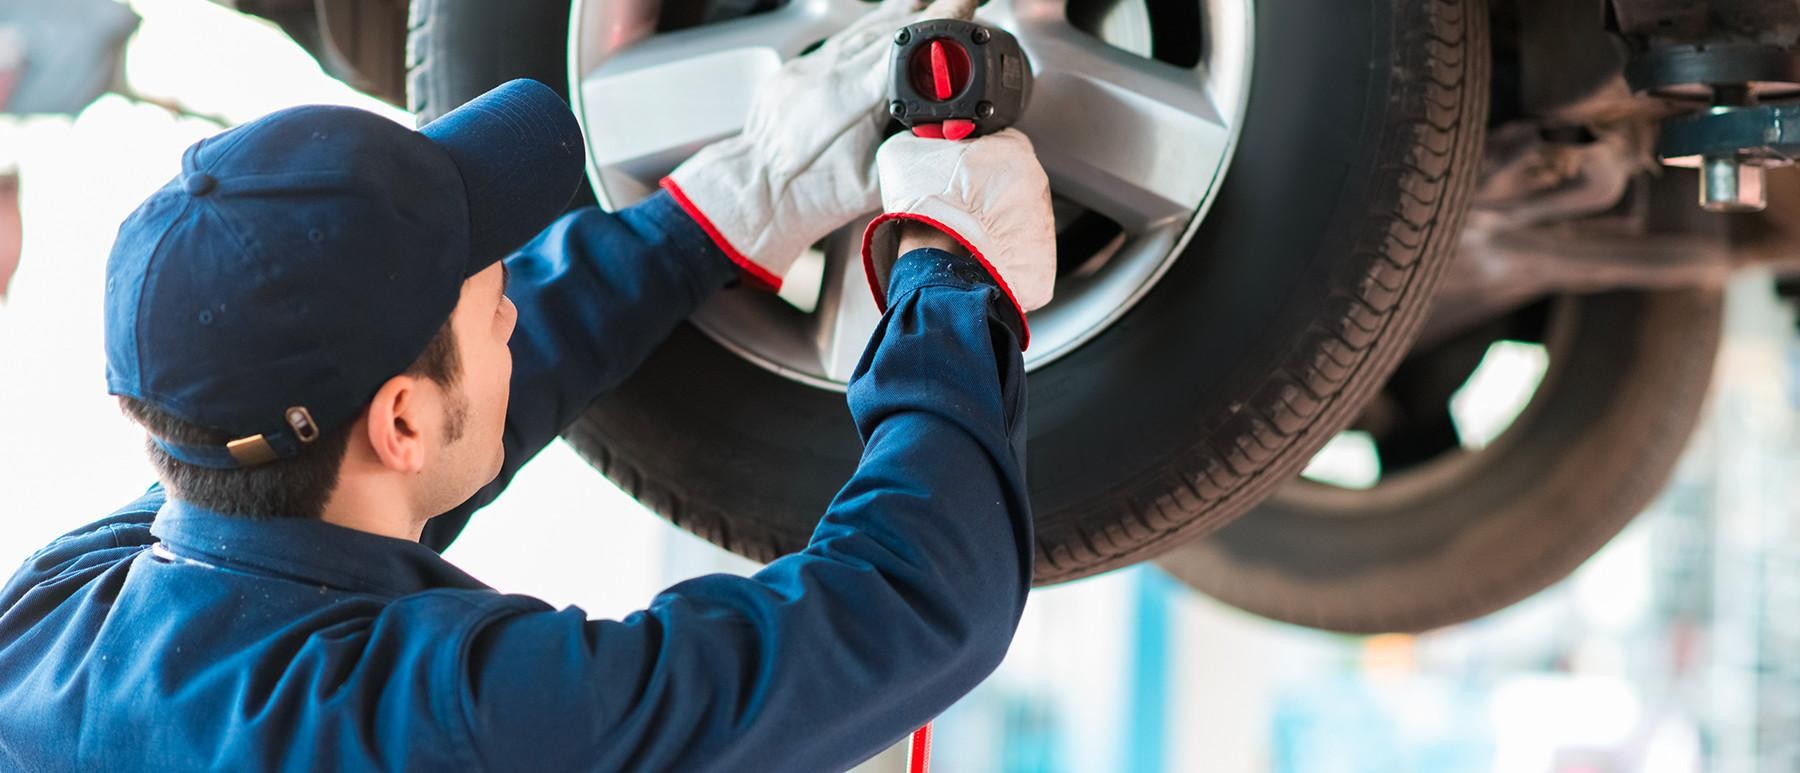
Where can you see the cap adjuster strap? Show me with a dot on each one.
(253, 450)
(248, 451)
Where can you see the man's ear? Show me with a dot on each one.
(394, 425)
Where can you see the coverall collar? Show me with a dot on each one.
(305, 550)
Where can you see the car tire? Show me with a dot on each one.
(1467, 534)
(1298, 294)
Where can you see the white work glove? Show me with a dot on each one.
(804, 164)
(989, 194)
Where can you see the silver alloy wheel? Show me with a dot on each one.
(1139, 141)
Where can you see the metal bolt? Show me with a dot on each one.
(896, 108)
(902, 37)
(1727, 184)
(980, 36)
(984, 109)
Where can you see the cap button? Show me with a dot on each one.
(200, 183)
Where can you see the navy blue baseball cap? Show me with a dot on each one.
(301, 260)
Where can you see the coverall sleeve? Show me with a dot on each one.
(906, 597)
(597, 292)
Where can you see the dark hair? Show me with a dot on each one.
(296, 487)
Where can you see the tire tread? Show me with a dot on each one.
(1436, 126)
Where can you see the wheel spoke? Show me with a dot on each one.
(657, 100)
(846, 312)
(1133, 138)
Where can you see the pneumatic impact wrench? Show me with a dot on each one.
(953, 79)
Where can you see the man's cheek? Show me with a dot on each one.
(504, 403)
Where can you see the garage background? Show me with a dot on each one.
(1673, 650)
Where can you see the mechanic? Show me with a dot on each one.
(320, 322)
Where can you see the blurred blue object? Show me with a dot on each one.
(1346, 724)
(66, 53)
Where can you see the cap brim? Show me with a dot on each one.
(520, 152)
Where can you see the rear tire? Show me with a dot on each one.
(1297, 295)
(1463, 536)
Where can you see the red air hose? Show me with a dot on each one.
(918, 754)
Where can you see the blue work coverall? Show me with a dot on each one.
(167, 637)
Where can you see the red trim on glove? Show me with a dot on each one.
(875, 287)
(755, 275)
